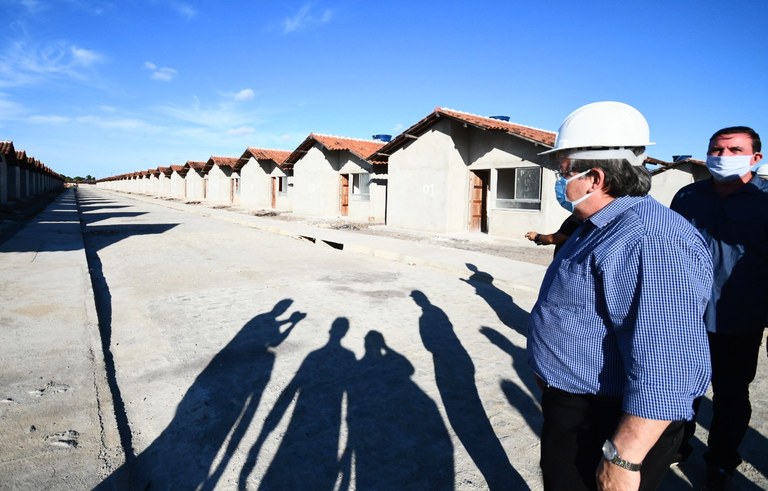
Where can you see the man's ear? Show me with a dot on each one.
(598, 178)
(757, 157)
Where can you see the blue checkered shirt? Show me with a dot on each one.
(620, 311)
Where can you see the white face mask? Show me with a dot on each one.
(730, 167)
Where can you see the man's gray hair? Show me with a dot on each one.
(621, 177)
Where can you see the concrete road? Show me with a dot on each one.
(240, 352)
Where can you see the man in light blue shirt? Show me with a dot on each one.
(617, 338)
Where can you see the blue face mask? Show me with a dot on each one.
(561, 185)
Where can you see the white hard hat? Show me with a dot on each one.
(603, 125)
(762, 171)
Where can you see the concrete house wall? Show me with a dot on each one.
(317, 182)
(164, 185)
(219, 185)
(254, 192)
(430, 181)
(195, 185)
(22, 175)
(664, 185)
(178, 185)
(371, 207)
(492, 151)
(14, 182)
(256, 186)
(3, 180)
(284, 199)
(153, 185)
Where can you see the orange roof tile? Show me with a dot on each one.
(220, 161)
(363, 149)
(195, 164)
(535, 135)
(529, 133)
(179, 169)
(277, 156)
(6, 148)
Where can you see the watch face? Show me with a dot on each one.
(609, 451)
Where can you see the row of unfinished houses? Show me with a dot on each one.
(23, 176)
(451, 172)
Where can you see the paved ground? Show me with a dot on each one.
(223, 340)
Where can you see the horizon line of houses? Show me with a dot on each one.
(23, 176)
(451, 172)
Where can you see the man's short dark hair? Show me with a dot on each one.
(756, 144)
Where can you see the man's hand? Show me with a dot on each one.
(611, 477)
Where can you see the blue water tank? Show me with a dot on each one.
(500, 118)
(383, 138)
(680, 158)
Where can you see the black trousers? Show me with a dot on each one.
(734, 364)
(575, 427)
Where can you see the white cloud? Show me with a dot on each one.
(84, 57)
(306, 18)
(164, 74)
(244, 95)
(120, 123)
(185, 10)
(23, 64)
(243, 130)
(10, 110)
(48, 119)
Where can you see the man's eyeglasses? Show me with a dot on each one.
(563, 174)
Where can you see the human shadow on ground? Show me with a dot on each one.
(307, 457)
(509, 313)
(455, 378)
(217, 408)
(96, 238)
(396, 438)
(526, 402)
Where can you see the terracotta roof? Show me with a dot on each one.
(535, 135)
(195, 164)
(166, 171)
(6, 148)
(665, 166)
(180, 169)
(277, 156)
(653, 161)
(220, 161)
(363, 149)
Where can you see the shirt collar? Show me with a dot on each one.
(613, 209)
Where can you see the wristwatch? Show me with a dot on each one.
(612, 455)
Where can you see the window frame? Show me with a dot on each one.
(515, 202)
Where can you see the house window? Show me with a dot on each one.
(282, 185)
(360, 187)
(236, 185)
(519, 188)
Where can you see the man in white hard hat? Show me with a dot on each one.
(617, 338)
(731, 212)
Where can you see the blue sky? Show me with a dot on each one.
(103, 87)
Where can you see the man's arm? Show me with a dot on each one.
(633, 439)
